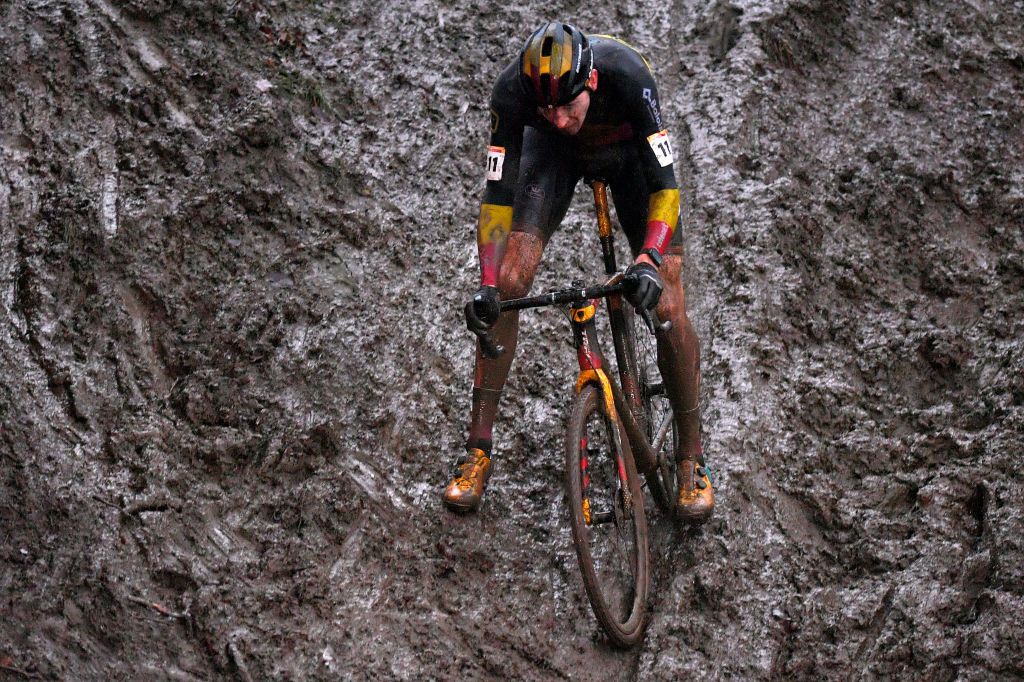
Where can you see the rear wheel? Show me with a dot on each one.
(658, 422)
(606, 511)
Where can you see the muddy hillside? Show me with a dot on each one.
(235, 237)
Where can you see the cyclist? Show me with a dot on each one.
(572, 105)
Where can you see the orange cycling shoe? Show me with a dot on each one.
(696, 495)
(467, 487)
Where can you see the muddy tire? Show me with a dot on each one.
(660, 428)
(609, 527)
(663, 482)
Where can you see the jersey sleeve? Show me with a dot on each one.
(504, 150)
(657, 157)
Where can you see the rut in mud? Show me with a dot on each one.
(234, 241)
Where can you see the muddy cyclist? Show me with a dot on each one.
(572, 106)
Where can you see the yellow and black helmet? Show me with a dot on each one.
(555, 64)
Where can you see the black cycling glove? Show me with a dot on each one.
(482, 311)
(643, 285)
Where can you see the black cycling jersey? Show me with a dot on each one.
(624, 109)
(623, 126)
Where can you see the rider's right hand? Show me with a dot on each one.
(483, 310)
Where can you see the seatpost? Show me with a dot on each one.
(604, 225)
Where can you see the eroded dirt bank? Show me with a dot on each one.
(234, 237)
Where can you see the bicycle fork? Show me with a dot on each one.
(591, 361)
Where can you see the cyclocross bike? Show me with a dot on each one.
(616, 430)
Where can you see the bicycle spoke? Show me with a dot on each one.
(625, 555)
(659, 439)
(612, 525)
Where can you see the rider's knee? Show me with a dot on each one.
(668, 308)
(519, 265)
(514, 283)
(672, 304)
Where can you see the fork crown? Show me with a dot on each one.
(584, 334)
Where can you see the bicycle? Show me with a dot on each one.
(612, 435)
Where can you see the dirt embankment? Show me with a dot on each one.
(233, 241)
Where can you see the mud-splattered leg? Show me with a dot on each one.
(518, 267)
(679, 360)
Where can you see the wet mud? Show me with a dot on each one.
(234, 242)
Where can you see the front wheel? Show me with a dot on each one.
(606, 510)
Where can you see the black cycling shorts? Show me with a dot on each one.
(549, 169)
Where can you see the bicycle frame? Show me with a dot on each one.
(627, 403)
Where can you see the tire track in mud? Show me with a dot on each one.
(14, 150)
(705, 33)
(143, 59)
(143, 317)
(672, 548)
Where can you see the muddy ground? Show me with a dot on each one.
(234, 239)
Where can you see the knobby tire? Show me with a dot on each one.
(613, 555)
(637, 353)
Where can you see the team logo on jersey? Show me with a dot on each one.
(652, 105)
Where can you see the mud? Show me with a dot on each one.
(234, 239)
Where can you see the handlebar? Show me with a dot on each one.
(574, 294)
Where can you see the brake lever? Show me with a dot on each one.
(490, 349)
(652, 322)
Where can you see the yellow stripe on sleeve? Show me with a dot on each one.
(663, 206)
(494, 224)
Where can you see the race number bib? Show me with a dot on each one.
(662, 147)
(495, 160)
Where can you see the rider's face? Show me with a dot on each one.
(568, 118)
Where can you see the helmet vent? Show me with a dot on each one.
(545, 48)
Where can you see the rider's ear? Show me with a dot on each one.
(592, 80)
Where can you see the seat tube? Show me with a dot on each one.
(604, 225)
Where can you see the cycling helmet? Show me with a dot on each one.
(555, 64)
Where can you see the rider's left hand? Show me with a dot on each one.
(644, 285)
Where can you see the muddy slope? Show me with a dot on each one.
(233, 241)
